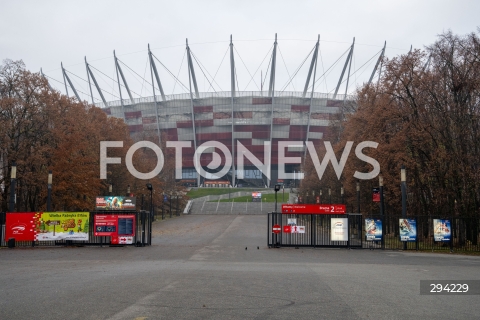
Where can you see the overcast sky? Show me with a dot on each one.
(45, 33)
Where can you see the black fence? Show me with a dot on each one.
(317, 233)
(142, 237)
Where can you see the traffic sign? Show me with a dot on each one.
(276, 228)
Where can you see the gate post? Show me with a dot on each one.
(142, 215)
(383, 233)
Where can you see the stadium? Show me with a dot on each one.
(251, 118)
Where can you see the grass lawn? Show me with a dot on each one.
(265, 198)
(202, 192)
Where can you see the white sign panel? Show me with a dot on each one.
(339, 231)
(291, 222)
(125, 240)
(297, 229)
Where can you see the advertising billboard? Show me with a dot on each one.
(408, 229)
(442, 229)
(115, 203)
(339, 229)
(373, 229)
(256, 196)
(376, 195)
(114, 225)
(22, 226)
(63, 226)
(314, 208)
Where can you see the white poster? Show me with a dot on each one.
(291, 222)
(339, 230)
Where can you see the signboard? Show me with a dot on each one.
(125, 240)
(21, 226)
(313, 208)
(119, 203)
(376, 195)
(373, 229)
(63, 226)
(339, 229)
(114, 225)
(291, 222)
(408, 229)
(441, 230)
(297, 229)
(293, 229)
(256, 196)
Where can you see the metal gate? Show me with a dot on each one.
(316, 230)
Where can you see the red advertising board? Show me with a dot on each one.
(376, 195)
(114, 225)
(21, 226)
(313, 209)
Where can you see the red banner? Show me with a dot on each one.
(376, 195)
(21, 225)
(313, 209)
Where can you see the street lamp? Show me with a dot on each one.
(330, 195)
(277, 188)
(150, 187)
(128, 191)
(341, 194)
(163, 205)
(110, 187)
(13, 178)
(403, 179)
(320, 196)
(171, 204)
(358, 196)
(49, 195)
(380, 183)
(177, 212)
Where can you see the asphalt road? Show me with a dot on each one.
(198, 268)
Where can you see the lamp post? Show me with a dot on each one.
(277, 188)
(13, 178)
(341, 194)
(403, 178)
(380, 183)
(49, 195)
(320, 196)
(163, 205)
(170, 204)
(358, 196)
(330, 195)
(150, 188)
(178, 213)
